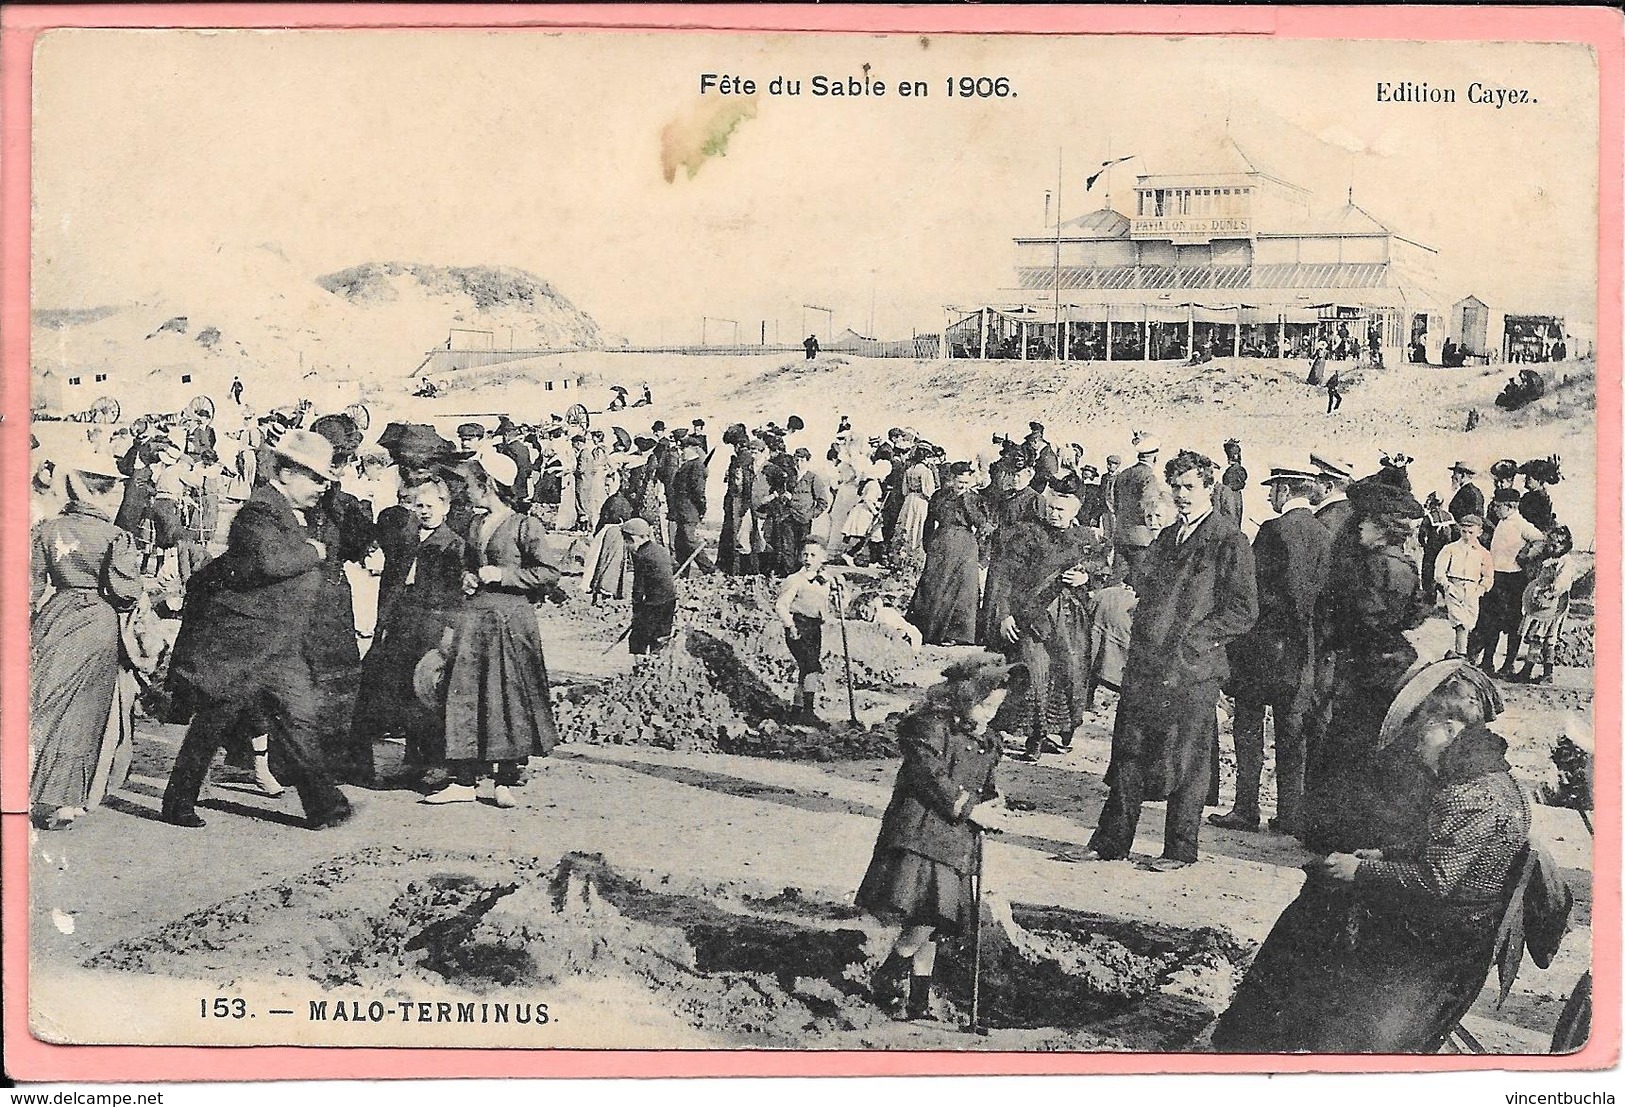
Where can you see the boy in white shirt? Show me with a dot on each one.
(805, 603)
(1462, 574)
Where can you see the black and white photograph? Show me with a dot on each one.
(794, 541)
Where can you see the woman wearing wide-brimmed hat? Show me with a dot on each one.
(1373, 595)
(92, 570)
(920, 875)
(1385, 949)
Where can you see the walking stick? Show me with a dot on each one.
(975, 1026)
(846, 653)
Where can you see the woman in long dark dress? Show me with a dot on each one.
(94, 569)
(920, 875)
(498, 707)
(612, 568)
(1384, 950)
(945, 600)
(1355, 796)
(420, 596)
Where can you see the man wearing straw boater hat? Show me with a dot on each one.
(1273, 664)
(241, 654)
(1132, 533)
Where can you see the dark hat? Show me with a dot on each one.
(1021, 457)
(971, 680)
(1544, 469)
(659, 425)
(1089, 473)
(643, 444)
(736, 436)
(794, 424)
(1464, 469)
(1036, 427)
(341, 430)
(470, 430)
(411, 443)
(506, 425)
(1507, 496)
(960, 468)
(1229, 442)
(803, 453)
(1504, 469)
(1373, 496)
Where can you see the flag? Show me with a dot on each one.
(1105, 165)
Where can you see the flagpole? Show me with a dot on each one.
(1058, 179)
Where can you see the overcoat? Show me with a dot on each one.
(687, 503)
(1272, 663)
(945, 772)
(1468, 500)
(1128, 505)
(248, 611)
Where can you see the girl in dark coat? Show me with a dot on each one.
(1384, 950)
(945, 600)
(421, 595)
(920, 875)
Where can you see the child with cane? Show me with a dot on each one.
(921, 877)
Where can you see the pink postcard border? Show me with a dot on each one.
(32, 1060)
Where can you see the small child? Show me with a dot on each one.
(1461, 576)
(860, 535)
(654, 591)
(420, 596)
(804, 606)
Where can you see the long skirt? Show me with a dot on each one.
(73, 675)
(909, 538)
(388, 703)
(612, 570)
(1341, 974)
(654, 510)
(944, 604)
(1062, 702)
(903, 888)
(498, 705)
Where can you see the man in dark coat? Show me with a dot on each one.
(513, 446)
(1132, 533)
(241, 656)
(1046, 461)
(343, 524)
(1273, 664)
(739, 547)
(654, 592)
(1033, 612)
(686, 507)
(1468, 498)
(1198, 592)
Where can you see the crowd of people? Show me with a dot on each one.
(1139, 579)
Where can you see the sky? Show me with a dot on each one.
(543, 151)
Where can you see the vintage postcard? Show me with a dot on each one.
(804, 539)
